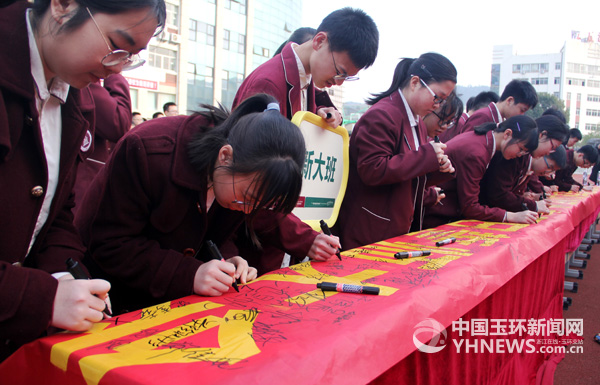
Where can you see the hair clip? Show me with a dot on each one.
(519, 127)
(272, 106)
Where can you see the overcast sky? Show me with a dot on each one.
(464, 31)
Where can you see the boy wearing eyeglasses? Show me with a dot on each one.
(346, 42)
(585, 157)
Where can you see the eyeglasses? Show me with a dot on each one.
(340, 76)
(235, 200)
(436, 99)
(118, 56)
(550, 168)
(448, 123)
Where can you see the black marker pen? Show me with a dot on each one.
(445, 242)
(345, 288)
(214, 251)
(325, 229)
(328, 116)
(77, 272)
(411, 254)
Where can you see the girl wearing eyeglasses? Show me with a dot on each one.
(50, 49)
(499, 187)
(172, 184)
(390, 156)
(471, 154)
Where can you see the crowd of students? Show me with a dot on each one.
(143, 223)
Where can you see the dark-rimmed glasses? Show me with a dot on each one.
(448, 123)
(118, 56)
(436, 99)
(340, 76)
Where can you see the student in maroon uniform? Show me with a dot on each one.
(346, 41)
(585, 157)
(517, 98)
(482, 100)
(174, 183)
(530, 186)
(470, 153)
(48, 53)
(499, 185)
(390, 158)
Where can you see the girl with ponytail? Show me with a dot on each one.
(175, 183)
(390, 158)
(471, 153)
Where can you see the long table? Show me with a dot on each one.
(282, 329)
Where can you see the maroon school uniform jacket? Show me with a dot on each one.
(113, 119)
(144, 217)
(481, 116)
(470, 155)
(279, 77)
(387, 176)
(500, 182)
(27, 293)
(456, 130)
(564, 177)
(535, 185)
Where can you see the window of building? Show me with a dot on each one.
(226, 39)
(593, 98)
(535, 67)
(202, 32)
(172, 15)
(592, 127)
(526, 68)
(593, 83)
(516, 68)
(161, 57)
(568, 96)
(224, 80)
(557, 66)
(578, 97)
(575, 82)
(539, 80)
(592, 112)
(241, 46)
(544, 67)
(556, 80)
(577, 111)
(193, 29)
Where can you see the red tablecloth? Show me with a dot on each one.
(281, 329)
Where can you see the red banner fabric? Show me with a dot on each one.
(282, 329)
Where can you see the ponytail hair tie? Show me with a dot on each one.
(273, 106)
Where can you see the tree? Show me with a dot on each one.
(546, 101)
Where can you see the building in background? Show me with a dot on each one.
(572, 75)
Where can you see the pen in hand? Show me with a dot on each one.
(77, 272)
(325, 229)
(216, 254)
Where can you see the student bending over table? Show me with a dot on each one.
(174, 183)
(471, 153)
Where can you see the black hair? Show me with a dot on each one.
(557, 113)
(452, 109)
(555, 129)
(134, 113)
(263, 142)
(354, 32)
(469, 105)
(524, 129)
(522, 92)
(79, 16)
(167, 105)
(559, 156)
(575, 133)
(589, 153)
(299, 36)
(157, 114)
(430, 67)
(483, 99)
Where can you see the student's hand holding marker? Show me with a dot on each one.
(542, 207)
(332, 116)
(324, 247)
(79, 303)
(216, 277)
(443, 160)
